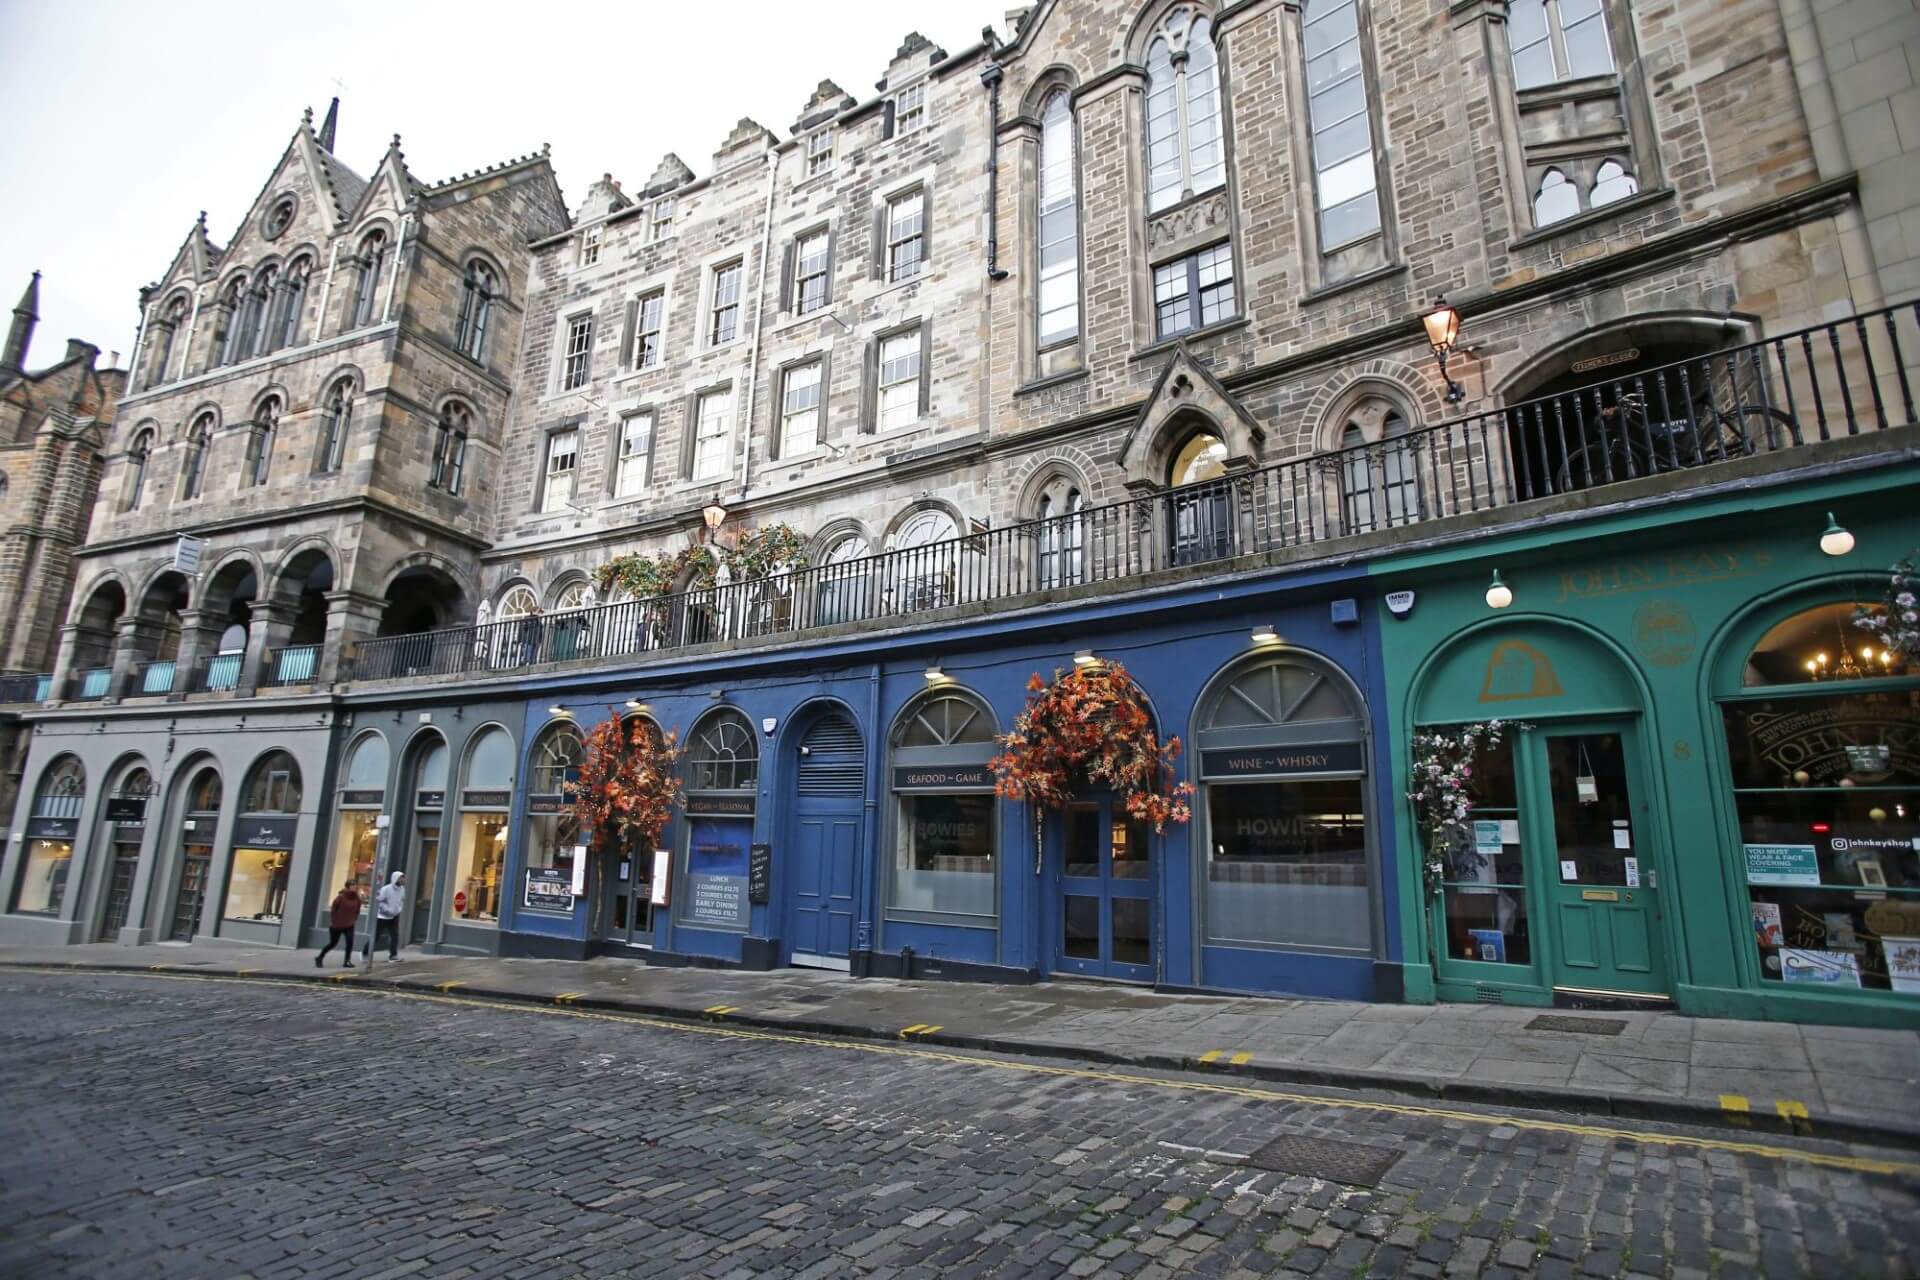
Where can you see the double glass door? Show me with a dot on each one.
(626, 913)
(1106, 893)
(192, 895)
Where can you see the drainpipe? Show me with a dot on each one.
(870, 836)
(326, 292)
(393, 277)
(759, 298)
(193, 324)
(990, 77)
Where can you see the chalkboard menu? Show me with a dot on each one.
(759, 872)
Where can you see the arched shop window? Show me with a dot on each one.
(486, 794)
(723, 772)
(52, 824)
(201, 819)
(1825, 766)
(356, 842)
(945, 837)
(1282, 768)
(263, 835)
(126, 820)
(552, 830)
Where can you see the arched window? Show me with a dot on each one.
(1287, 855)
(363, 791)
(841, 582)
(1379, 473)
(260, 441)
(552, 828)
(193, 468)
(486, 796)
(205, 793)
(138, 455)
(450, 448)
(293, 304)
(1203, 457)
(260, 312)
(274, 785)
(1060, 539)
(923, 561)
(557, 757)
(51, 826)
(372, 256)
(334, 425)
(724, 754)
(1059, 240)
(263, 843)
(476, 310)
(1185, 155)
(945, 828)
(1201, 505)
(518, 602)
(233, 308)
(1611, 182)
(165, 331)
(1343, 163)
(1556, 199)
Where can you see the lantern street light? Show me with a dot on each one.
(1443, 332)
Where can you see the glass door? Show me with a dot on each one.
(126, 861)
(426, 862)
(193, 892)
(1106, 893)
(1604, 895)
(627, 909)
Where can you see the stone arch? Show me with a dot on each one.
(1146, 23)
(1187, 398)
(1686, 331)
(302, 580)
(1393, 380)
(559, 585)
(829, 535)
(1047, 472)
(204, 409)
(906, 514)
(290, 571)
(436, 565)
(475, 253)
(350, 371)
(272, 391)
(1056, 76)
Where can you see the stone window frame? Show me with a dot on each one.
(632, 309)
(590, 238)
(777, 429)
(1150, 28)
(709, 299)
(576, 349)
(900, 109)
(198, 446)
(1637, 149)
(451, 438)
(330, 455)
(790, 278)
(616, 450)
(543, 495)
(482, 291)
(139, 457)
(287, 308)
(883, 241)
(261, 437)
(363, 300)
(818, 152)
(172, 322)
(1325, 265)
(871, 371)
(690, 430)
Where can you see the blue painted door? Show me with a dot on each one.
(1106, 901)
(829, 816)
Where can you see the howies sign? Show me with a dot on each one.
(1329, 757)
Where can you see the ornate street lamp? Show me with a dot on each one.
(1443, 332)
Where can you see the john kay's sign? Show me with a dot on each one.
(1252, 762)
(1680, 569)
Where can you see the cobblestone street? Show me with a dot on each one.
(186, 1127)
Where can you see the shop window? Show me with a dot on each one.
(552, 829)
(51, 826)
(485, 797)
(1826, 780)
(946, 836)
(1282, 764)
(357, 836)
(263, 841)
(723, 769)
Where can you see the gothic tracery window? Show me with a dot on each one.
(450, 448)
(478, 291)
(1186, 154)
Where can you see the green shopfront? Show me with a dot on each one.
(1708, 790)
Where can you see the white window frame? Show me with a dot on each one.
(801, 275)
(660, 220)
(910, 104)
(631, 462)
(1554, 37)
(1059, 177)
(1180, 72)
(640, 331)
(572, 349)
(713, 433)
(818, 152)
(807, 418)
(590, 246)
(1323, 17)
(710, 315)
(561, 443)
(897, 401)
(917, 237)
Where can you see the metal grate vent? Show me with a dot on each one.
(834, 735)
(1353, 1163)
(1489, 995)
(1582, 1026)
(832, 760)
(828, 778)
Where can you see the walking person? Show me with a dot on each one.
(387, 906)
(341, 917)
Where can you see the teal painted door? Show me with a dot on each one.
(1601, 866)
(1106, 894)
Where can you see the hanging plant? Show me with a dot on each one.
(629, 783)
(760, 553)
(1090, 727)
(763, 552)
(1896, 621)
(1442, 777)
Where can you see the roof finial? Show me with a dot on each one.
(330, 124)
(396, 142)
(306, 118)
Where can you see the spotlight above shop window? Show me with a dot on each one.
(559, 709)
(1835, 541)
(934, 674)
(1265, 634)
(1499, 594)
(634, 704)
(1085, 658)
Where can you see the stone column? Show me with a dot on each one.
(135, 640)
(199, 639)
(352, 616)
(270, 628)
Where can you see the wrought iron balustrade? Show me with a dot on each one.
(217, 673)
(25, 688)
(150, 678)
(292, 664)
(1776, 396)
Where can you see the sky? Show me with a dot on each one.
(121, 119)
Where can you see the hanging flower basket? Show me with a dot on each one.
(756, 553)
(1442, 777)
(628, 785)
(1090, 727)
(1897, 621)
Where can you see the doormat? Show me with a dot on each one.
(1583, 1026)
(1353, 1163)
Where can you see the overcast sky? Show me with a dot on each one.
(121, 119)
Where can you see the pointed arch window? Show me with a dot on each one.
(172, 321)
(1061, 537)
(260, 305)
(1345, 176)
(293, 304)
(1058, 303)
(194, 470)
(266, 427)
(1380, 479)
(1555, 199)
(476, 310)
(1185, 152)
(373, 254)
(339, 416)
(1611, 182)
(138, 455)
(450, 448)
(233, 310)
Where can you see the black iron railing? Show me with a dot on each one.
(25, 688)
(1845, 378)
(152, 678)
(293, 664)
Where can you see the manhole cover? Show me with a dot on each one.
(1583, 1026)
(1353, 1163)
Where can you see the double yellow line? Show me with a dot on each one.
(1253, 1093)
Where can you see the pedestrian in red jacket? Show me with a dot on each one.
(344, 914)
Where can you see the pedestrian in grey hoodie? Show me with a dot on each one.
(388, 904)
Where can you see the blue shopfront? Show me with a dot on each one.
(839, 808)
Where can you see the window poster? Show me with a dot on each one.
(716, 890)
(1822, 968)
(1903, 963)
(1782, 864)
(1767, 930)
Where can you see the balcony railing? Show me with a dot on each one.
(1845, 378)
(217, 673)
(151, 678)
(90, 684)
(294, 664)
(25, 688)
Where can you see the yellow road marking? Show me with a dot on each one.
(1241, 1059)
(907, 1031)
(348, 976)
(1733, 1102)
(1212, 1055)
(1254, 1093)
(928, 1030)
(721, 1010)
(568, 997)
(448, 986)
(1795, 1114)
(244, 972)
